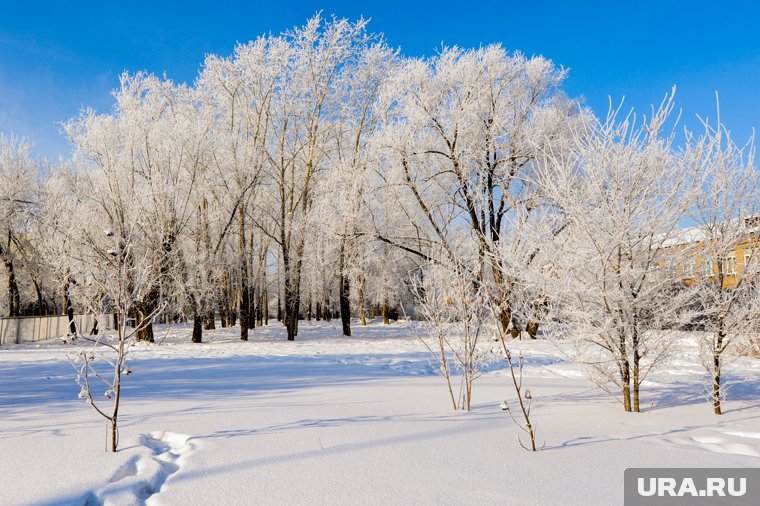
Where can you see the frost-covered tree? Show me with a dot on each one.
(143, 159)
(302, 116)
(616, 293)
(725, 251)
(123, 275)
(461, 140)
(19, 175)
(100, 224)
(454, 309)
(240, 93)
(122, 213)
(59, 194)
(349, 167)
(384, 281)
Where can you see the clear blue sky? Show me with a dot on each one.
(56, 57)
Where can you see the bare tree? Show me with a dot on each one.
(455, 316)
(122, 279)
(617, 293)
(523, 395)
(724, 255)
(111, 270)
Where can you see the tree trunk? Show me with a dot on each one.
(290, 305)
(636, 363)
(345, 305)
(515, 330)
(266, 305)
(68, 309)
(717, 371)
(504, 314)
(72, 324)
(362, 312)
(146, 334)
(209, 322)
(66, 300)
(114, 435)
(251, 307)
(291, 311)
(386, 317)
(626, 377)
(197, 327)
(292, 274)
(541, 308)
(636, 381)
(716, 390)
(115, 416)
(260, 305)
(326, 311)
(223, 316)
(145, 331)
(14, 297)
(344, 291)
(505, 318)
(226, 306)
(244, 302)
(253, 290)
(39, 308)
(145, 308)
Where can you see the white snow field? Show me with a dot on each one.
(359, 420)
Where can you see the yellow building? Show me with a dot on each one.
(704, 262)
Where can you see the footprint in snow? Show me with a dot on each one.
(141, 478)
(718, 444)
(748, 435)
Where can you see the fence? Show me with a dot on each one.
(39, 328)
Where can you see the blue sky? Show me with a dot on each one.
(56, 57)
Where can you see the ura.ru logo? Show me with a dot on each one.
(686, 487)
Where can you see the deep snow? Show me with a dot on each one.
(359, 420)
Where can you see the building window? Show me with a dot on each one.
(728, 265)
(749, 260)
(708, 267)
(688, 269)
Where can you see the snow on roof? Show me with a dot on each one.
(697, 234)
(688, 235)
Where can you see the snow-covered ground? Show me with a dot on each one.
(359, 420)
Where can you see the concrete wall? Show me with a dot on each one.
(39, 328)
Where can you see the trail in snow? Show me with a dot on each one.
(139, 480)
(724, 441)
